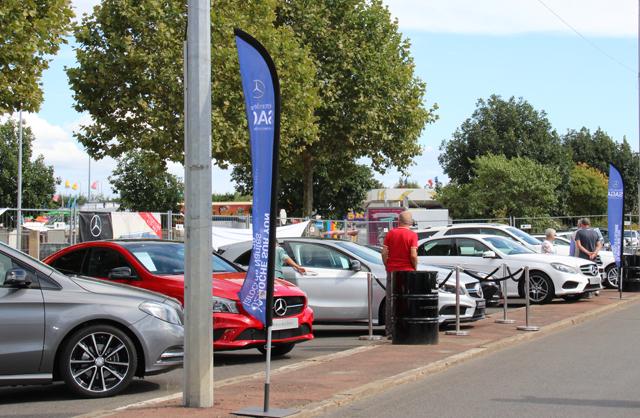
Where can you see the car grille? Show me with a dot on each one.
(217, 333)
(259, 334)
(587, 270)
(451, 310)
(294, 304)
(475, 291)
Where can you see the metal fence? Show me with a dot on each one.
(48, 230)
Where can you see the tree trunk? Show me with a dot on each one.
(307, 184)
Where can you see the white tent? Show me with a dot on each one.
(226, 236)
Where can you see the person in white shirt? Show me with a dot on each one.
(547, 244)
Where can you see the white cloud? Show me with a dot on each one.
(506, 17)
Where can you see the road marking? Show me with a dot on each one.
(232, 380)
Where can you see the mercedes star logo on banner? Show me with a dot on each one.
(258, 89)
(95, 226)
(280, 307)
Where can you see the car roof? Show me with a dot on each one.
(465, 225)
(472, 236)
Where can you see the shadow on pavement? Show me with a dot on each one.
(59, 392)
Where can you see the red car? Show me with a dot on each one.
(159, 266)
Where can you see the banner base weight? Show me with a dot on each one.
(255, 411)
(528, 328)
(370, 337)
(457, 333)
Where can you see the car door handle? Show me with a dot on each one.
(310, 273)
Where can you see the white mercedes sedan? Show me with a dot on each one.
(551, 276)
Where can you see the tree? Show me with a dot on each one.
(38, 182)
(230, 197)
(371, 102)
(407, 183)
(588, 188)
(31, 32)
(143, 184)
(512, 128)
(337, 189)
(501, 187)
(598, 149)
(129, 78)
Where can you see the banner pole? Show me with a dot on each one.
(263, 117)
(267, 380)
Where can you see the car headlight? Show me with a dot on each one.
(223, 305)
(564, 268)
(451, 288)
(161, 311)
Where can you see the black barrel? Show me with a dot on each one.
(415, 307)
(631, 273)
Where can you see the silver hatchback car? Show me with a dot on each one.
(94, 336)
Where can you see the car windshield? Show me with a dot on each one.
(507, 246)
(524, 236)
(629, 234)
(167, 258)
(365, 253)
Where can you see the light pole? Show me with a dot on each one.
(198, 332)
(19, 197)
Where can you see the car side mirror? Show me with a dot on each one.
(489, 254)
(355, 265)
(16, 278)
(122, 273)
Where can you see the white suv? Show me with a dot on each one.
(550, 276)
(499, 230)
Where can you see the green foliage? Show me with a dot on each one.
(230, 197)
(337, 189)
(407, 183)
(130, 79)
(38, 182)
(31, 32)
(143, 184)
(512, 128)
(503, 187)
(588, 188)
(598, 149)
(348, 88)
(371, 102)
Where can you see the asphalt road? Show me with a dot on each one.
(590, 370)
(55, 401)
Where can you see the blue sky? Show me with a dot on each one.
(464, 50)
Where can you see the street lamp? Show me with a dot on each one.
(19, 203)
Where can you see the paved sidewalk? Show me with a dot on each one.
(315, 386)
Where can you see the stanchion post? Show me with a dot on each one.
(505, 299)
(526, 326)
(457, 332)
(370, 337)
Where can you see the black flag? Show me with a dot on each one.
(95, 226)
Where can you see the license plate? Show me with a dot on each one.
(594, 280)
(284, 323)
(481, 304)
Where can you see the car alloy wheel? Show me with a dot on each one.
(99, 361)
(540, 288)
(612, 277)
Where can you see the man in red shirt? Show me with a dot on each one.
(399, 253)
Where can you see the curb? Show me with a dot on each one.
(381, 385)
